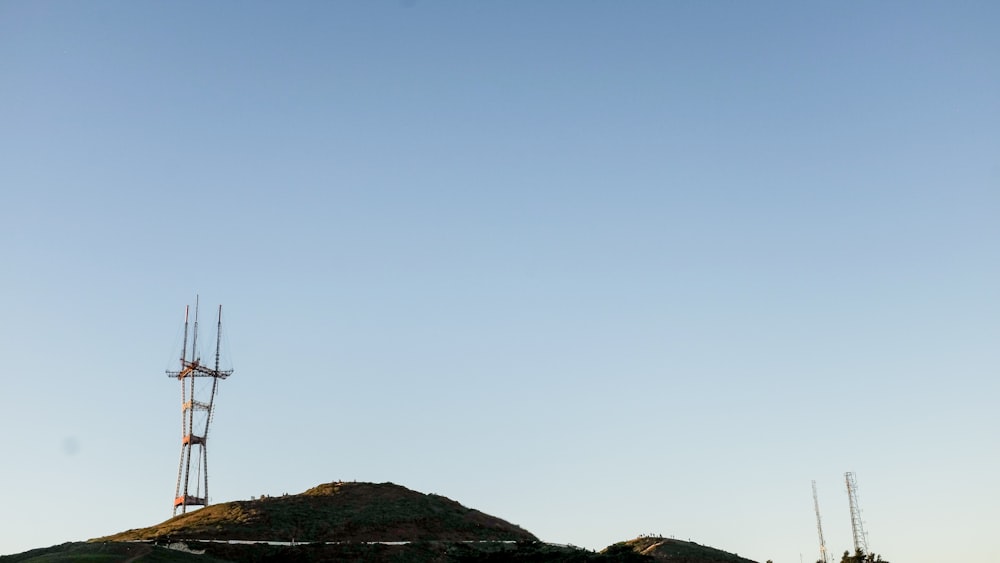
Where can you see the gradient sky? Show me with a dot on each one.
(600, 269)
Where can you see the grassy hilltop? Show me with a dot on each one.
(677, 551)
(356, 522)
(336, 512)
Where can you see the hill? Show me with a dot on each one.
(677, 551)
(335, 512)
(417, 552)
(356, 522)
(107, 553)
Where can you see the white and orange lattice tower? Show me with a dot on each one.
(197, 403)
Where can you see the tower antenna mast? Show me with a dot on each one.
(819, 528)
(196, 414)
(857, 526)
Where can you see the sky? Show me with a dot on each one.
(600, 269)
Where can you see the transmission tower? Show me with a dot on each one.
(196, 414)
(857, 526)
(819, 528)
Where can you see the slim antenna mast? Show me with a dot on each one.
(819, 528)
(194, 339)
(857, 526)
(218, 338)
(184, 348)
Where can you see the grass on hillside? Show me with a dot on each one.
(420, 552)
(106, 553)
(417, 552)
(336, 512)
(678, 551)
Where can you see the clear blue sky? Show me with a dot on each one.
(598, 268)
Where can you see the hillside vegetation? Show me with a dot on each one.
(336, 512)
(354, 522)
(75, 552)
(677, 551)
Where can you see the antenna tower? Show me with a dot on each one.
(196, 414)
(857, 527)
(819, 528)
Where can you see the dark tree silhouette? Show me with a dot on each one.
(861, 557)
